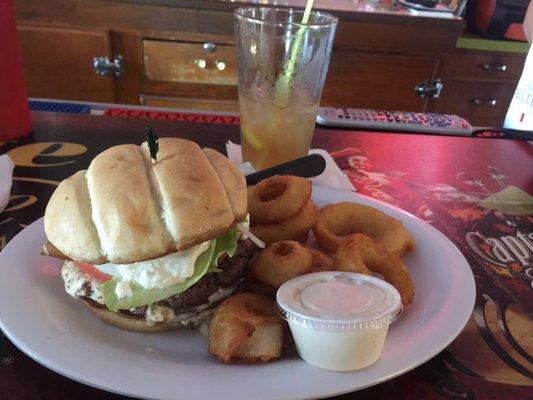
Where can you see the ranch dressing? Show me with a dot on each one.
(339, 320)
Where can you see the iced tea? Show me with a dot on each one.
(271, 135)
(282, 65)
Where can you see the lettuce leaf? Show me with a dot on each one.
(205, 263)
(226, 243)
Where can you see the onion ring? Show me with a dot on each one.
(277, 198)
(360, 253)
(294, 228)
(246, 327)
(337, 221)
(256, 286)
(320, 261)
(280, 262)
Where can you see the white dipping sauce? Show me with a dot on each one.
(339, 320)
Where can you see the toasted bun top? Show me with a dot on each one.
(233, 181)
(125, 208)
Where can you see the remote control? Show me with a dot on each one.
(442, 124)
(425, 3)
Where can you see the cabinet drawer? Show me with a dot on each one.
(486, 66)
(189, 62)
(363, 80)
(481, 103)
(189, 103)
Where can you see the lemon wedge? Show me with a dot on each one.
(253, 140)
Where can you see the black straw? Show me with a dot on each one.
(306, 167)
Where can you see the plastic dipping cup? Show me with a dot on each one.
(339, 320)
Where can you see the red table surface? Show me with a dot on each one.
(440, 179)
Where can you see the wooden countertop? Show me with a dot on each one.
(472, 41)
(398, 32)
(349, 10)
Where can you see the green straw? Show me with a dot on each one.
(284, 80)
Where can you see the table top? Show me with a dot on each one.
(477, 191)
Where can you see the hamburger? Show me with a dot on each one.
(151, 245)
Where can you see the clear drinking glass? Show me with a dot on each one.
(282, 66)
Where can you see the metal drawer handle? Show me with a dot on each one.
(104, 66)
(209, 47)
(429, 89)
(494, 67)
(479, 102)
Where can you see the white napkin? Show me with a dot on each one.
(6, 179)
(332, 177)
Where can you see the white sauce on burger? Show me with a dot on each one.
(156, 273)
(123, 289)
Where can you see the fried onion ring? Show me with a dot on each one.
(294, 228)
(280, 262)
(277, 198)
(246, 327)
(320, 261)
(337, 221)
(256, 286)
(360, 253)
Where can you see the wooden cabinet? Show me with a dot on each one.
(479, 85)
(377, 61)
(58, 62)
(363, 80)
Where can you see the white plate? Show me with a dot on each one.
(51, 327)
